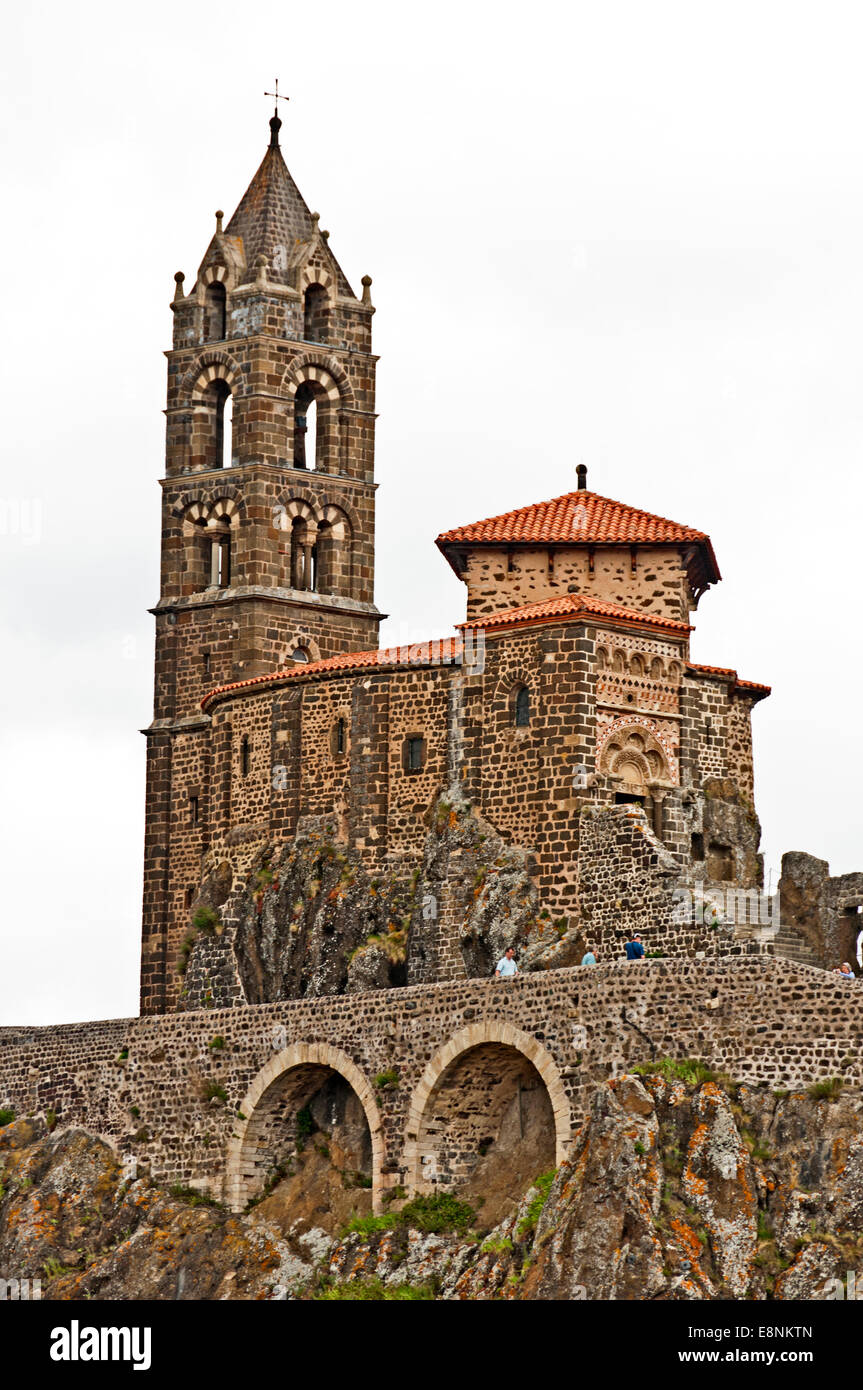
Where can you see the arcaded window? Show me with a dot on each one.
(216, 313)
(522, 707)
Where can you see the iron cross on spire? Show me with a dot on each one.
(275, 123)
(277, 95)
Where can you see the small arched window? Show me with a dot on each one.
(414, 753)
(300, 655)
(522, 707)
(306, 427)
(216, 313)
(339, 738)
(315, 306)
(223, 441)
(220, 560)
(303, 555)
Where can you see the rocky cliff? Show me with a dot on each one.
(680, 1185)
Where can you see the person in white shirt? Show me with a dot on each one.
(506, 966)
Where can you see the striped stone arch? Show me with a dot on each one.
(317, 275)
(286, 511)
(337, 518)
(191, 506)
(475, 1035)
(227, 507)
(213, 273)
(243, 1176)
(326, 370)
(226, 501)
(210, 366)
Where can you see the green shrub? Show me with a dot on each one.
(437, 1213)
(207, 921)
(191, 1196)
(214, 1090)
(367, 1226)
(372, 1290)
(826, 1090)
(387, 1080)
(496, 1247)
(691, 1070)
(393, 1194)
(6, 1117)
(217, 1043)
(542, 1184)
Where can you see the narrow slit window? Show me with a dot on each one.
(244, 756)
(522, 707)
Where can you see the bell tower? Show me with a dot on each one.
(267, 498)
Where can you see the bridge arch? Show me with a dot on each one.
(286, 1083)
(465, 1098)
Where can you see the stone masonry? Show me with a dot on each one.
(205, 1098)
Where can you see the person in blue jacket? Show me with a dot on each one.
(634, 948)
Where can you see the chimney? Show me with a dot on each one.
(581, 470)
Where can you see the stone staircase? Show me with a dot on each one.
(791, 945)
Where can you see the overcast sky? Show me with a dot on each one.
(627, 235)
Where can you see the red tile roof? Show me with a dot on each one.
(437, 651)
(759, 692)
(580, 518)
(573, 606)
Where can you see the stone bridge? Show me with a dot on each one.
(209, 1098)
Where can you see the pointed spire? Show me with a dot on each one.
(273, 219)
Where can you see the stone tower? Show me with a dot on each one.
(267, 504)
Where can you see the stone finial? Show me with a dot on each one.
(316, 217)
(261, 269)
(581, 470)
(179, 277)
(219, 216)
(325, 236)
(367, 286)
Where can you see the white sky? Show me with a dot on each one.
(623, 234)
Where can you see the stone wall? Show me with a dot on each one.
(656, 581)
(827, 912)
(195, 1096)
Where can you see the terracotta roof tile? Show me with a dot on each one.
(438, 650)
(726, 672)
(573, 605)
(579, 518)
